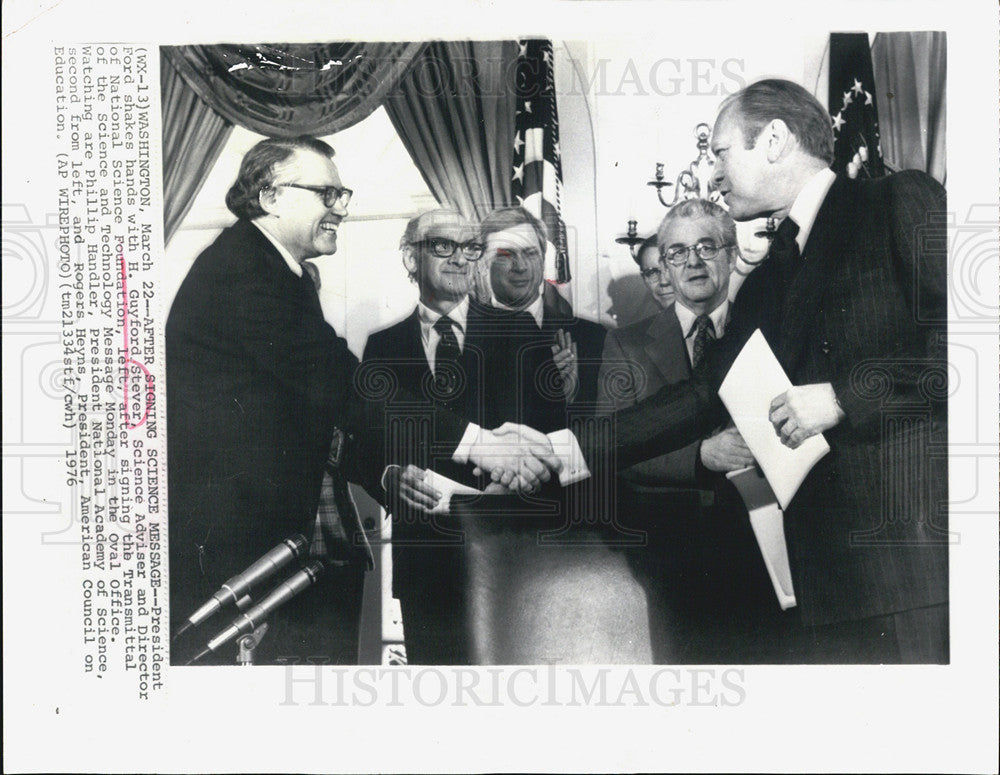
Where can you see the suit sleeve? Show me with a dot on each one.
(615, 383)
(916, 206)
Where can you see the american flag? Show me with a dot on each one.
(853, 108)
(537, 178)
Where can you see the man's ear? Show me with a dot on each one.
(778, 139)
(410, 261)
(268, 199)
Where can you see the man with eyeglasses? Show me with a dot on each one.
(656, 277)
(257, 382)
(431, 356)
(702, 571)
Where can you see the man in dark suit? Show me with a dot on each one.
(433, 356)
(257, 384)
(552, 356)
(709, 596)
(852, 300)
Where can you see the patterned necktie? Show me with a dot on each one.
(704, 331)
(447, 347)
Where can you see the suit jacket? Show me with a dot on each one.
(640, 359)
(523, 384)
(256, 382)
(700, 548)
(865, 311)
(408, 407)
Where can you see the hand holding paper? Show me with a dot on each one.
(804, 411)
(411, 486)
(748, 390)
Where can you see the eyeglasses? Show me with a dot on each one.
(331, 195)
(654, 274)
(706, 251)
(442, 247)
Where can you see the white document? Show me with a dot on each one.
(767, 521)
(447, 487)
(754, 380)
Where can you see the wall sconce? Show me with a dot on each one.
(695, 182)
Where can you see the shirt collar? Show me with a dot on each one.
(458, 314)
(717, 316)
(807, 204)
(536, 309)
(289, 259)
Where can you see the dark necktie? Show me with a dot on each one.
(447, 347)
(311, 271)
(784, 248)
(704, 332)
(448, 380)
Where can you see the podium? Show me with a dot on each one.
(543, 586)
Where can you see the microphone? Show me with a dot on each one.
(250, 620)
(239, 585)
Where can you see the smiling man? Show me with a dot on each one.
(257, 381)
(434, 360)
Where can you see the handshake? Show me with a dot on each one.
(517, 458)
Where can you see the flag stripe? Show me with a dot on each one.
(537, 175)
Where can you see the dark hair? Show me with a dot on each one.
(700, 208)
(764, 101)
(505, 218)
(257, 171)
(650, 243)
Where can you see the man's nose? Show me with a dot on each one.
(339, 209)
(718, 172)
(692, 258)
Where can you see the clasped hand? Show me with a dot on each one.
(516, 457)
(804, 411)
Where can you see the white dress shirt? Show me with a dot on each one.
(806, 206)
(687, 320)
(458, 314)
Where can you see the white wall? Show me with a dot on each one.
(626, 103)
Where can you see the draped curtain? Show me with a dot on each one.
(454, 111)
(276, 91)
(193, 137)
(911, 66)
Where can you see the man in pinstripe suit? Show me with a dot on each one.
(852, 300)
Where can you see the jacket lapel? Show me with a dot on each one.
(805, 290)
(665, 347)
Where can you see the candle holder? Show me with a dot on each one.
(632, 238)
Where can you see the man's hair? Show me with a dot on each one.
(650, 243)
(505, 218)
(414, 231)
(699, 208)
(764, 101)
(257, 171)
